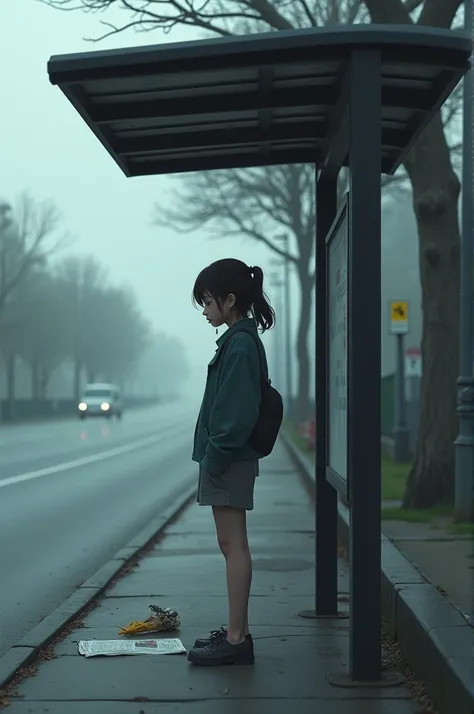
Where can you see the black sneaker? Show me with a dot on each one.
(205, 641)
(220, 651)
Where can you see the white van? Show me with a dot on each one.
(101, 400)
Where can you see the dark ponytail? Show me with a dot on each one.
(262, 310)
(230, 276)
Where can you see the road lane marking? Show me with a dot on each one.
(84, 461)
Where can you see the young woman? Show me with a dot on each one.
(231, 293)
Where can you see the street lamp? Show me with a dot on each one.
(464, 444)
(285, 263)
(5, 224)
(277, 283)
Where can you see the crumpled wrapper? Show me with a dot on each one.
(160, 620)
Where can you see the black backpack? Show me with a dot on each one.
(270, 416)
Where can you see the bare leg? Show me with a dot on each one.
(231, 527)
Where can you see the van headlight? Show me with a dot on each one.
(105, 406)
(82, 407)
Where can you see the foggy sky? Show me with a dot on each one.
(47, 149)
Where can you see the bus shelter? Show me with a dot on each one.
(343, 96)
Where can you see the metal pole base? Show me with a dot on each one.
(464, 451)
(311, 615)
(401, 447)
(387, 679)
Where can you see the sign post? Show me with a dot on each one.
(398, 314)
(413, 372)
(413, 367)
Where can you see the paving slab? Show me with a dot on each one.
(296, 576)
(281, 542)
(283, 670)
(157, 577)
(189, 634)
(268, 522)
(226, 705)
(209, 612)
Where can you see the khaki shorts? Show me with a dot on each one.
(233, 489)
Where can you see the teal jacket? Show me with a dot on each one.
(231, 401)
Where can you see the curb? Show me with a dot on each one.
(305, 463)
(437, 641)
(26, 651)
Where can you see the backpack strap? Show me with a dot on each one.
(263, 372)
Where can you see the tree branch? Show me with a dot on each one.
(214, 16)
(452, 107)
(456, 148)
(354, 11)
(388, 12)
(439, 13)
(434, 13)
(228, 202)
(412, 5)
(269, 14)
(146, 18)
(397, 180)
(311, 17)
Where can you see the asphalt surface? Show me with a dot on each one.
(73, 493)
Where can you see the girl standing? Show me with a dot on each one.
(231, 293)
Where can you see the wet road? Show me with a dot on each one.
(73, 493)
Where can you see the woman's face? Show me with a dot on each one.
(216, 314)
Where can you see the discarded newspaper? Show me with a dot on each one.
(112, 648)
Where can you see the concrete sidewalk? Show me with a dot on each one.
(426, 595)
(185, 571)
(444, 558)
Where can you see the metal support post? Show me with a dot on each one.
(400, 432)
(464, 444)
(364, 366)
(326, 495)
(288, 342)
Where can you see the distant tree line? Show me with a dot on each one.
(55, 310)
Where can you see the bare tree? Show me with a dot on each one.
(81, 281)
(105, 332)
(222, 17)
(114, 335)
(429, 168)
(28, 236)
(42, 342)
(258, 203)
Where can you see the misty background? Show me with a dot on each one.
(48, 151)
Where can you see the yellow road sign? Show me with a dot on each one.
(399, 311)
(398, 317)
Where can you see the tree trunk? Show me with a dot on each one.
(77, 380)
(436, 191)
(302, 400)
(34, 381)
(44, 381)
(11, 364)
